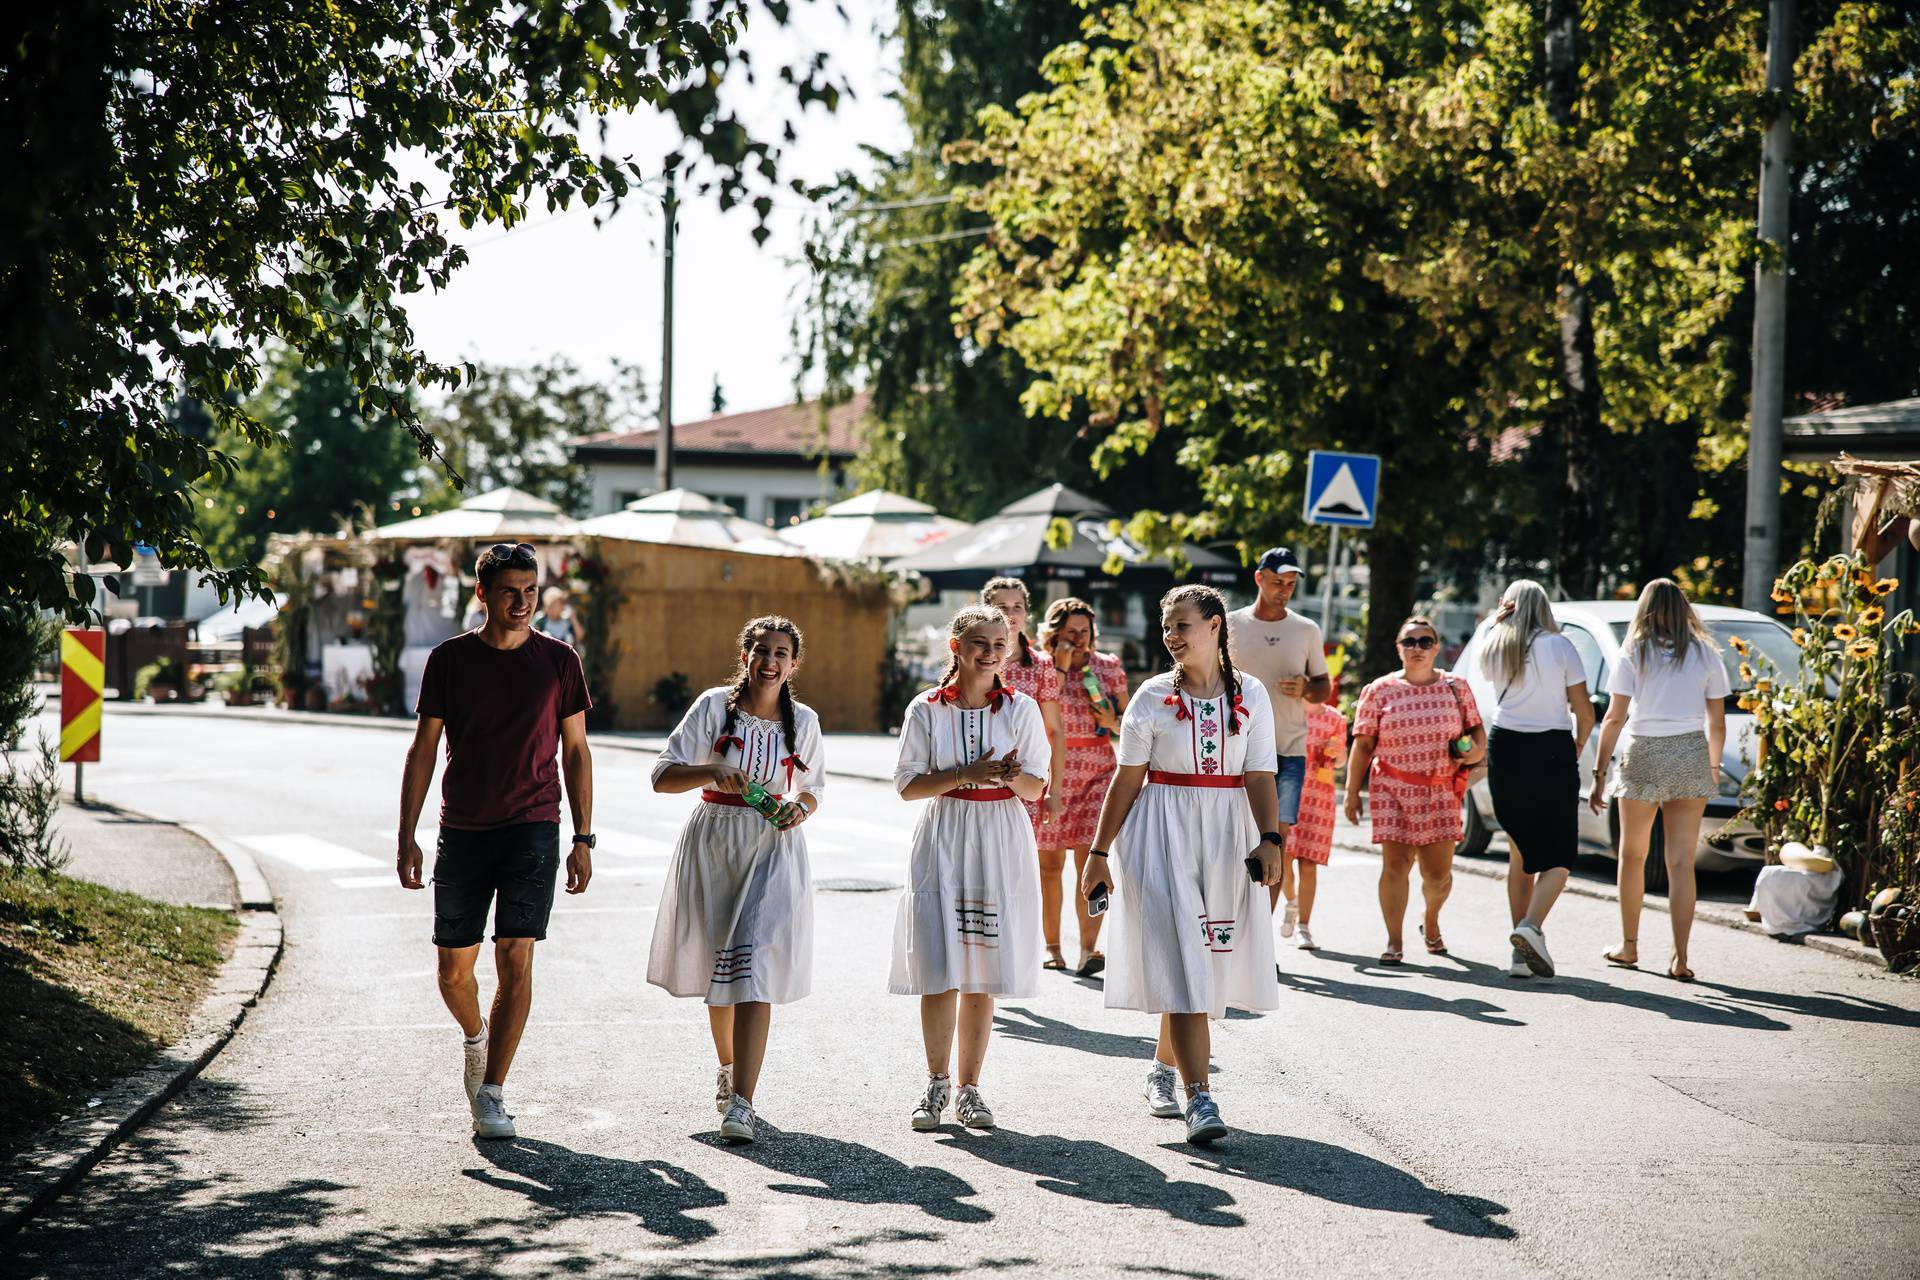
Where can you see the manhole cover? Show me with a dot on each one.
(850, 885)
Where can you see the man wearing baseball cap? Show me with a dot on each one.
(1283, 651)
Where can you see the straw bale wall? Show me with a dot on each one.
(682, 610)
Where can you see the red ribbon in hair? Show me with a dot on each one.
(951, 693)
(1238, 705)
(793, 762)
(1179, 704)
(722, 745)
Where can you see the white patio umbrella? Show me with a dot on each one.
(498, 513)
(876, 525)
(684, 518)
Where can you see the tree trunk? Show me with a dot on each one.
(1393, 570)
(1578, 412)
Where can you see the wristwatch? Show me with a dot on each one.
(585, 840)
(1273, 838)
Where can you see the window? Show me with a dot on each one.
(737, 501)
(1589, 650)
(785, 511)
(621, 497)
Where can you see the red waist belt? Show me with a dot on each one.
(1197, 779)
(982, 793)
(1071, 743)
(728, 798)
(1414, 779)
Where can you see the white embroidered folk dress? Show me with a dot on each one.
(1191, 932)
(970, 917)
(736, 911)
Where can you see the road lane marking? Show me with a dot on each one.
(308, 853)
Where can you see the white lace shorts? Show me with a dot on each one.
(1654, 770)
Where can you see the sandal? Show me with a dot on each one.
(1436, 945)
(1613, 957)
(1679, 974)
(1393, 955)
(1055, 962)
(1093, 964)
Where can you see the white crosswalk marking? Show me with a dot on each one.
(309, 853)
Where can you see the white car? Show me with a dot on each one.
(1596, 628)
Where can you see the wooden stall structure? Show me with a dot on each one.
(680, 608)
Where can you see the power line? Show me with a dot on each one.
(910, 241)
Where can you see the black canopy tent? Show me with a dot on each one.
(1013, 542)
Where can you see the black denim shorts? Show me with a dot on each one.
(519, 863)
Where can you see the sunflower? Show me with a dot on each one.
(1782, 597)
(1870, 617)
(1763, 686)
(1844, 632)
(1862, 649)
(1739, 645)
(1746, 673)
(1800, 636)
(1885, 586)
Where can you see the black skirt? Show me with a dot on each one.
(1535, 780)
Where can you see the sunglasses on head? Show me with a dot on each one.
(1417, 642)
(512, 553)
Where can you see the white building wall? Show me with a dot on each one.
(752, 491)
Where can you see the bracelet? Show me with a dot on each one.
(1096, 853)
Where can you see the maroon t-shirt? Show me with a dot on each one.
(503, 709)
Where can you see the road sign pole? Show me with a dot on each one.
(79, 785)
(1326, 581)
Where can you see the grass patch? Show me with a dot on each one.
(93, 982)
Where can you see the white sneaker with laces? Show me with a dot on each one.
(1518, 967)
(1161, 1092)
(971, 1110)
(1289, 918)
(1306, 938)
(723, 1088)
(738, 1124)
(1531, 943)
(474, 1052)
(1203, 1119)
(490, 1118)
(933, 1104)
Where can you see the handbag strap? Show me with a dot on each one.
(1458, 701)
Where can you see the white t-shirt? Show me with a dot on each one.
(1669, 698)
(1537, 701)
(1274, 651)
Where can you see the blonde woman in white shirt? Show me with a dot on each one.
(1533, 761)
(1669, 693)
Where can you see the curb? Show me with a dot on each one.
(1711, 913)
(67, 1151)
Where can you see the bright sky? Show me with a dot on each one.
(559, 285)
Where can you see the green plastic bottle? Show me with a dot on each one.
(758, 797)
(1095, 694)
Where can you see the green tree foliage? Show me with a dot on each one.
(325, 463)
(190, 181)
(508, 425)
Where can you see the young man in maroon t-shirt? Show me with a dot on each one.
(508, 698)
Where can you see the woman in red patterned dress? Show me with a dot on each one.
(1030, 671)
(1405, 728)
(1090, 732)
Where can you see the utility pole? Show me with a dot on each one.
(1769, 319)
(663, 442)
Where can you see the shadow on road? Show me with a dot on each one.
(1037, 1028)
(1327, 1172)
(1407, 998)
(1455, 969)
(1101, 1174)
(1823, 1004)
(853, 1174)
(574, 1184)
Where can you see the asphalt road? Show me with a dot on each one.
(1435, 1120)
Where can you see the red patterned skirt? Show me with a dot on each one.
(1084, 778)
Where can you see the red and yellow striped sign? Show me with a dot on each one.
(83, 672)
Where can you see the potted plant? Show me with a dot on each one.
(236, 686)
(159, 680)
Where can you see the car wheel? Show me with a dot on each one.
(1475, 835)
(1654, 879)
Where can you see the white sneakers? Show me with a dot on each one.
(737, 1126)
(1531, 944)
(971, 1110)
(1289, 919)
(1306, 938)
(723, 1089)
(1517, 967)
(933, 1104)
(1203, 1119)
(490, 1118)
(1161, 1093)
(474, 1066)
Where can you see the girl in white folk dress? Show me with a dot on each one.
(1192, 932)
(968, 928)
(736, 912)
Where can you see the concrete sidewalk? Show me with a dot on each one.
(147, 856)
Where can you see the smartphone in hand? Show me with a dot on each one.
(1099, 900)
(1253, 869)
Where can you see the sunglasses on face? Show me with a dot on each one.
(519, 554)
(1417, 642)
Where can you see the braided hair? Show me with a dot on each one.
(1011, 584)
(974, 615)
(1209, 604)
(748, 633)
